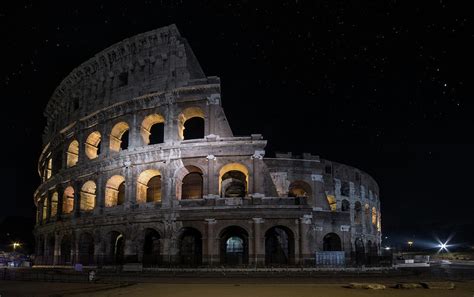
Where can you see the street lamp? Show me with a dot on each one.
(16, 245)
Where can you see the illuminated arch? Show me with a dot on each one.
(374, 216)
(68, 200)
(115, 191)
(189, 182)
(92, 145)
(54, 204)
(149, 186)
(299, 188)
(228, 168)
(147, 124)
(118, 138)
(187, 114)
(72, 154)
(88, 196)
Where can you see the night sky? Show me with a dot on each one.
(384, 86)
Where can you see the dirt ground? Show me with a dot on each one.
(40, 289)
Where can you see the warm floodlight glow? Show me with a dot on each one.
(16, 245)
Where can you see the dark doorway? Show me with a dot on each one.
(190, 247)
(86, 249)
(234, 246)
(332, 242)
(116, 248)
(66, 251)
(157, 133)
(151, 248)
(124, 141)
(279, 246)
(193, 128)
(192, 186)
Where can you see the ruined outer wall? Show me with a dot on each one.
(155, 73)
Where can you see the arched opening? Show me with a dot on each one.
(45, 209)
(68, 200)
(86, 249)
(151, 248)
(72, 154)
(279, 246)
(357, 213)
(115, 191)
(359, 252)
(374, 216)
(332, 242)
(332, 202)
(233, 180)
(234, 246)
(367, 216)
(190, 247)
(119, 137)
(152, 129)
(234, 184)
(191, 185)
(345, 205)
(193, 128)
(191, 123)
(88, 196)
(299, 189)
(115, 248)
(149, 186)
(92, 145)
(54, 204)
(65, 258)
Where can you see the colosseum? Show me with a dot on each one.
(139, 165)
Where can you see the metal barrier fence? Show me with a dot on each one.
(43, 275)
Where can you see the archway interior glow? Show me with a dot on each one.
(72, 154)
(119, 137)
(88, 196)
(148, 126)
(188, 113)
(68, 200)
(149, 186)
(92, 145)
(115, 191)
(243, 179)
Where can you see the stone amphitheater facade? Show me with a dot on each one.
(140, 165)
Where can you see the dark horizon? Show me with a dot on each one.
(382, 87)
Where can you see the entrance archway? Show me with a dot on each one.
(234, 246)
(151, 248)
(332, 242)
(86, 249)
(279, 246)
(190, 247)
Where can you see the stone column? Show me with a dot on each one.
(259, 242)
(130, 185)
(305, 253)
(99, 194)
(57, 250)
(257, 159)
(48, 210)
(212, 186)
(77, 199)
(319, 201)
(210, 255)
(59, 207)
(134, 137)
